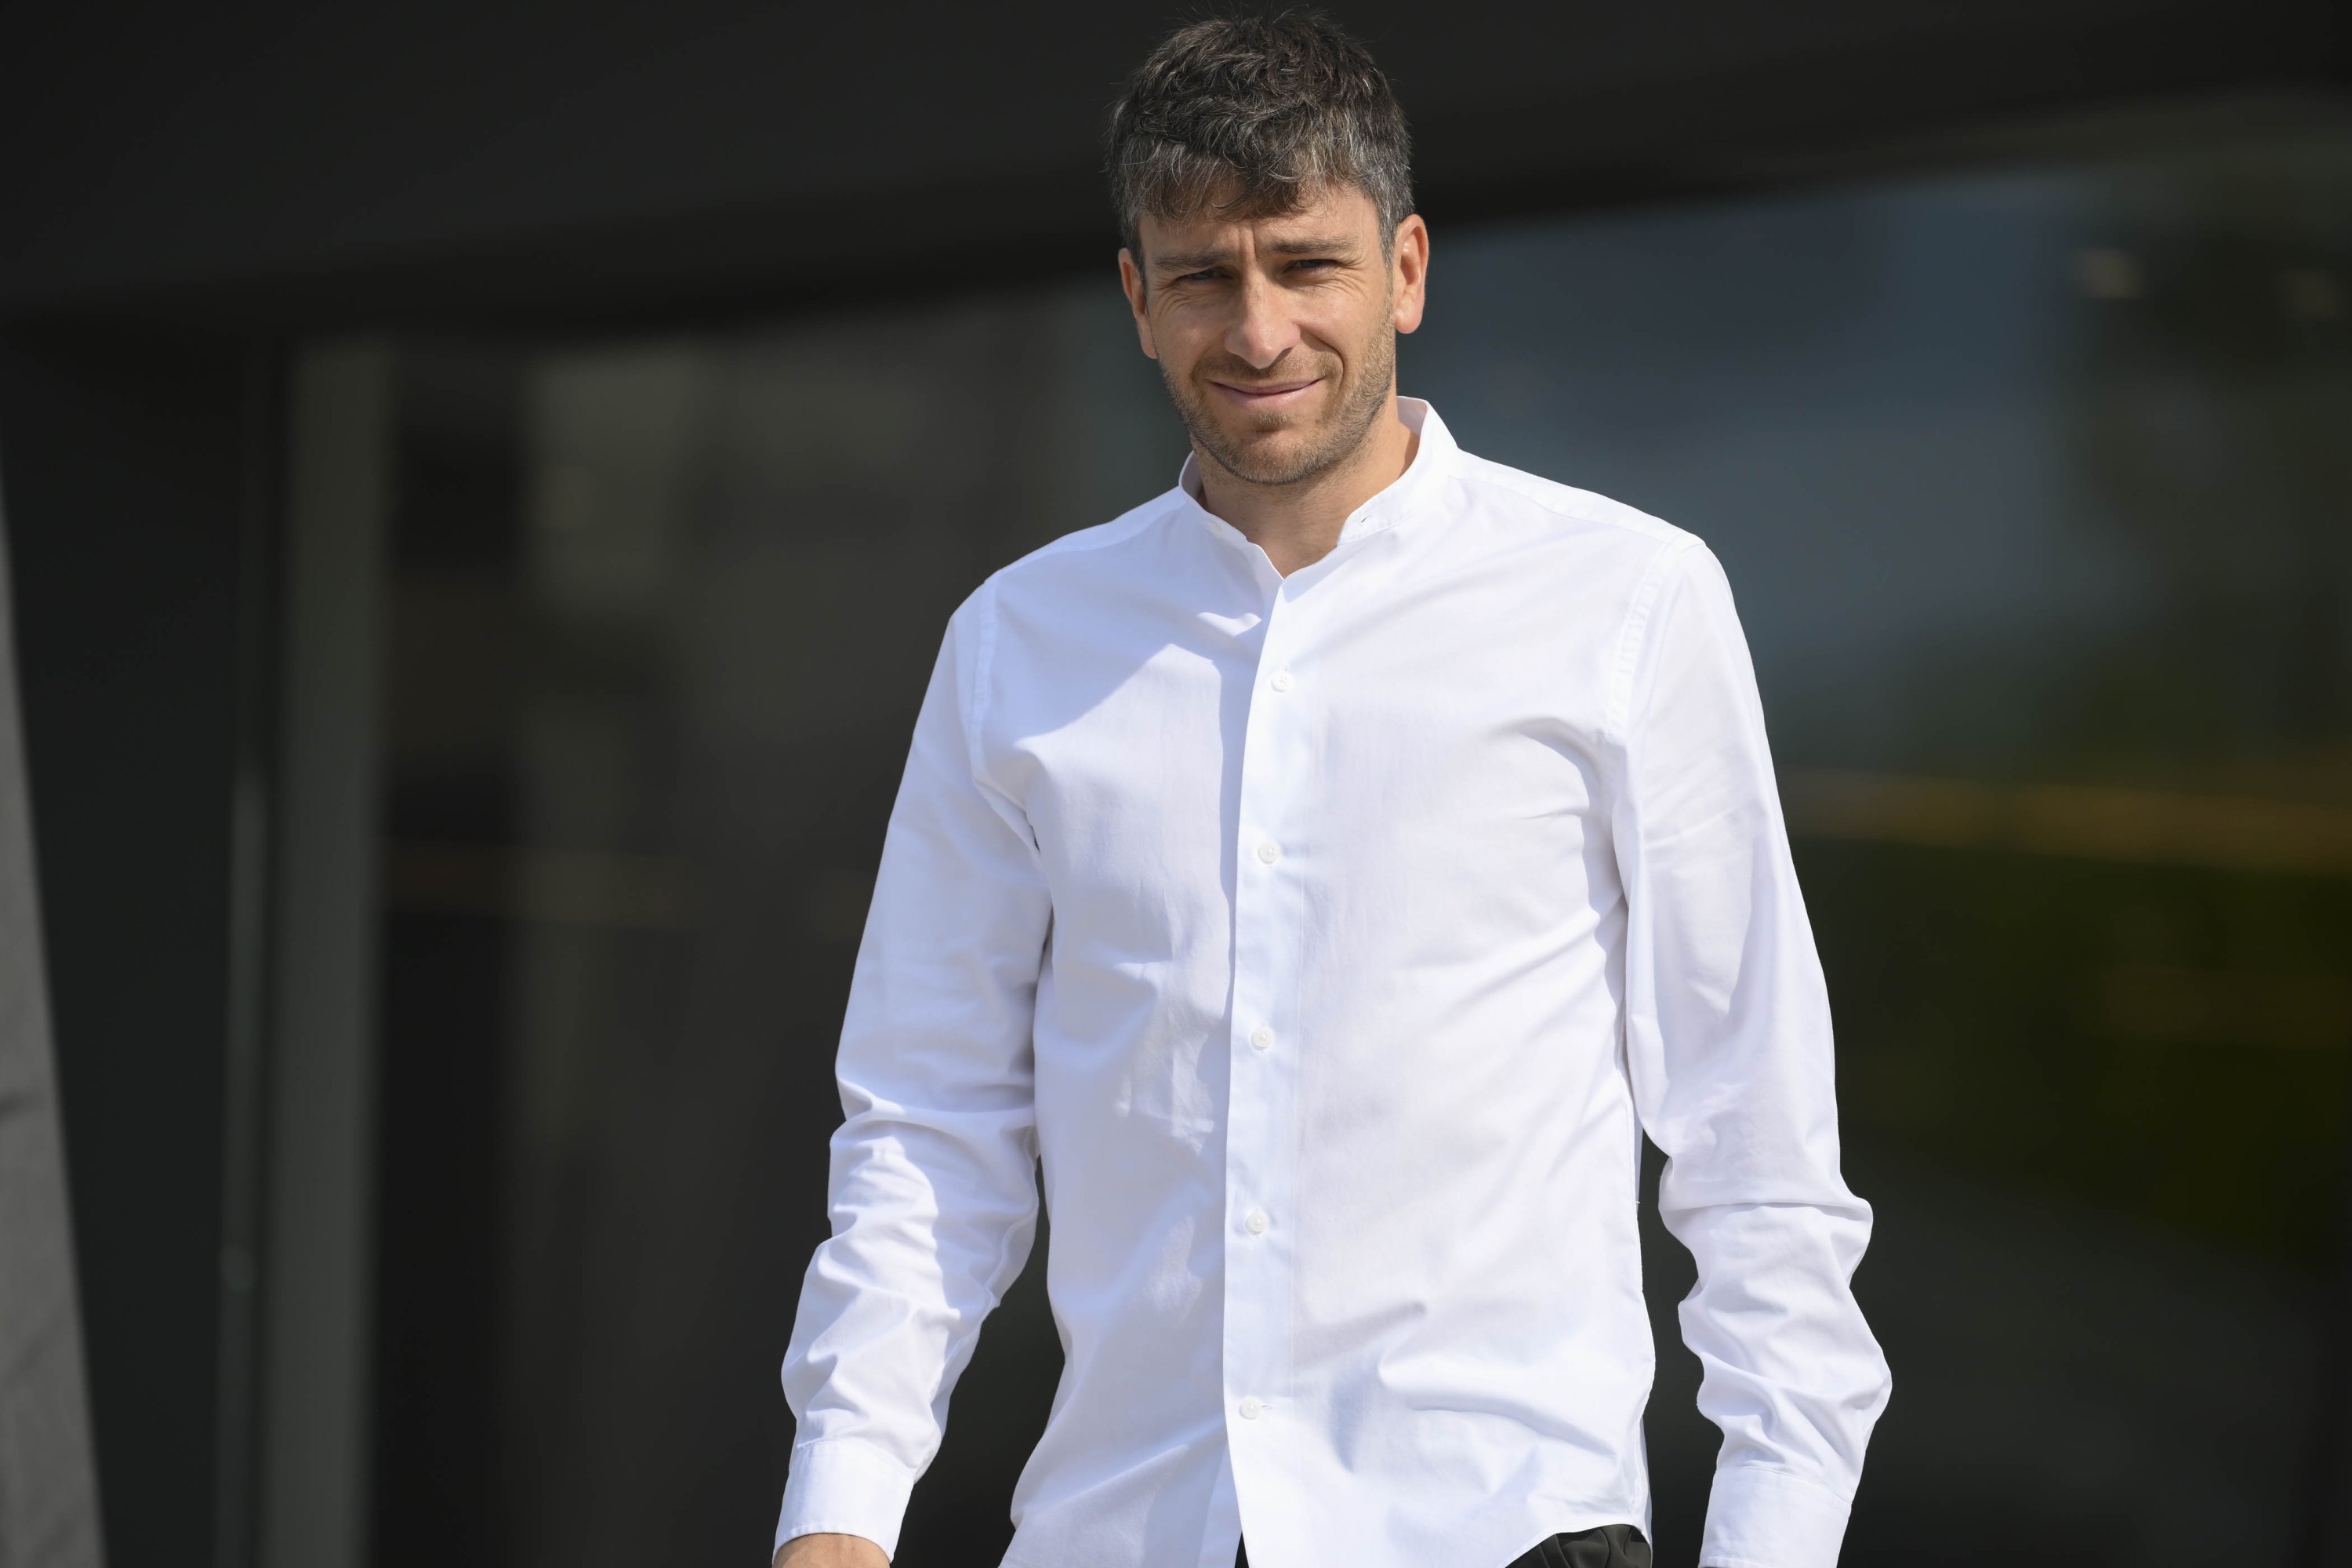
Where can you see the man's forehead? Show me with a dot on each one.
(1342, 214)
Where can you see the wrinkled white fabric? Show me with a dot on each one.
(1333, 939)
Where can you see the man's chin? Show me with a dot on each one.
(1270, 443)
(1268, 462)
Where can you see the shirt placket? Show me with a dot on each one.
(1265, 1046)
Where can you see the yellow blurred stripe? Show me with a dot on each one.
(2149, 826)
(2161, 1003)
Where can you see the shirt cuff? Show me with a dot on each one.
(1761, 1518)
(844, 1487)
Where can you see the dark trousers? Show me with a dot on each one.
(1611, 1546)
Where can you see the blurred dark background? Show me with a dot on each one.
(484, 484)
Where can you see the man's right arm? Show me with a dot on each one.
(934, 1194)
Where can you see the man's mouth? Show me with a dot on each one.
(1272, 395)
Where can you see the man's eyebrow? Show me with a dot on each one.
(1195, 260)
(1190, 260)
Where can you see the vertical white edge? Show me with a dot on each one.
(48, 1478)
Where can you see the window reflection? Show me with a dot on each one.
(2036, 490)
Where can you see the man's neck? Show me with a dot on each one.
(1298, 525)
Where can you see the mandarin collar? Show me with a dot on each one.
(1404, 500)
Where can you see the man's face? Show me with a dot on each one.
(1278, 335)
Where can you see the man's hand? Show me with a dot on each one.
(830, 1551)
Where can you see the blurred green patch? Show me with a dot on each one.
(2171, 1042)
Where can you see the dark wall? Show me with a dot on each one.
(124, 460)
(300, 159)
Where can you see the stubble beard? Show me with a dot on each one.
(1343, 435)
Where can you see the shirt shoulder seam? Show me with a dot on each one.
(1565, 500)
(983, 658)
(1101, 536)
(1634, 633)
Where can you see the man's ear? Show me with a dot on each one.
(1410, 278)
(1131, 278)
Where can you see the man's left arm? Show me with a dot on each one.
(1728, 1044)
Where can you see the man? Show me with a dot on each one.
(1331, 869)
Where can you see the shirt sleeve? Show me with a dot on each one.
(1727, 1042)
(933, 1192)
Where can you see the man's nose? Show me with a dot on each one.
(1261, 330)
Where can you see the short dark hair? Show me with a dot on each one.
(1252, 115)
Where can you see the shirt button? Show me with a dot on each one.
(1269, 852)
(1250, 1408)
(1257, 1221)
(1281, 682)
(1261, 1038)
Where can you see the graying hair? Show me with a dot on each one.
(1251, 116)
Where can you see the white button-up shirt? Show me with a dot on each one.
(1333, 939)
